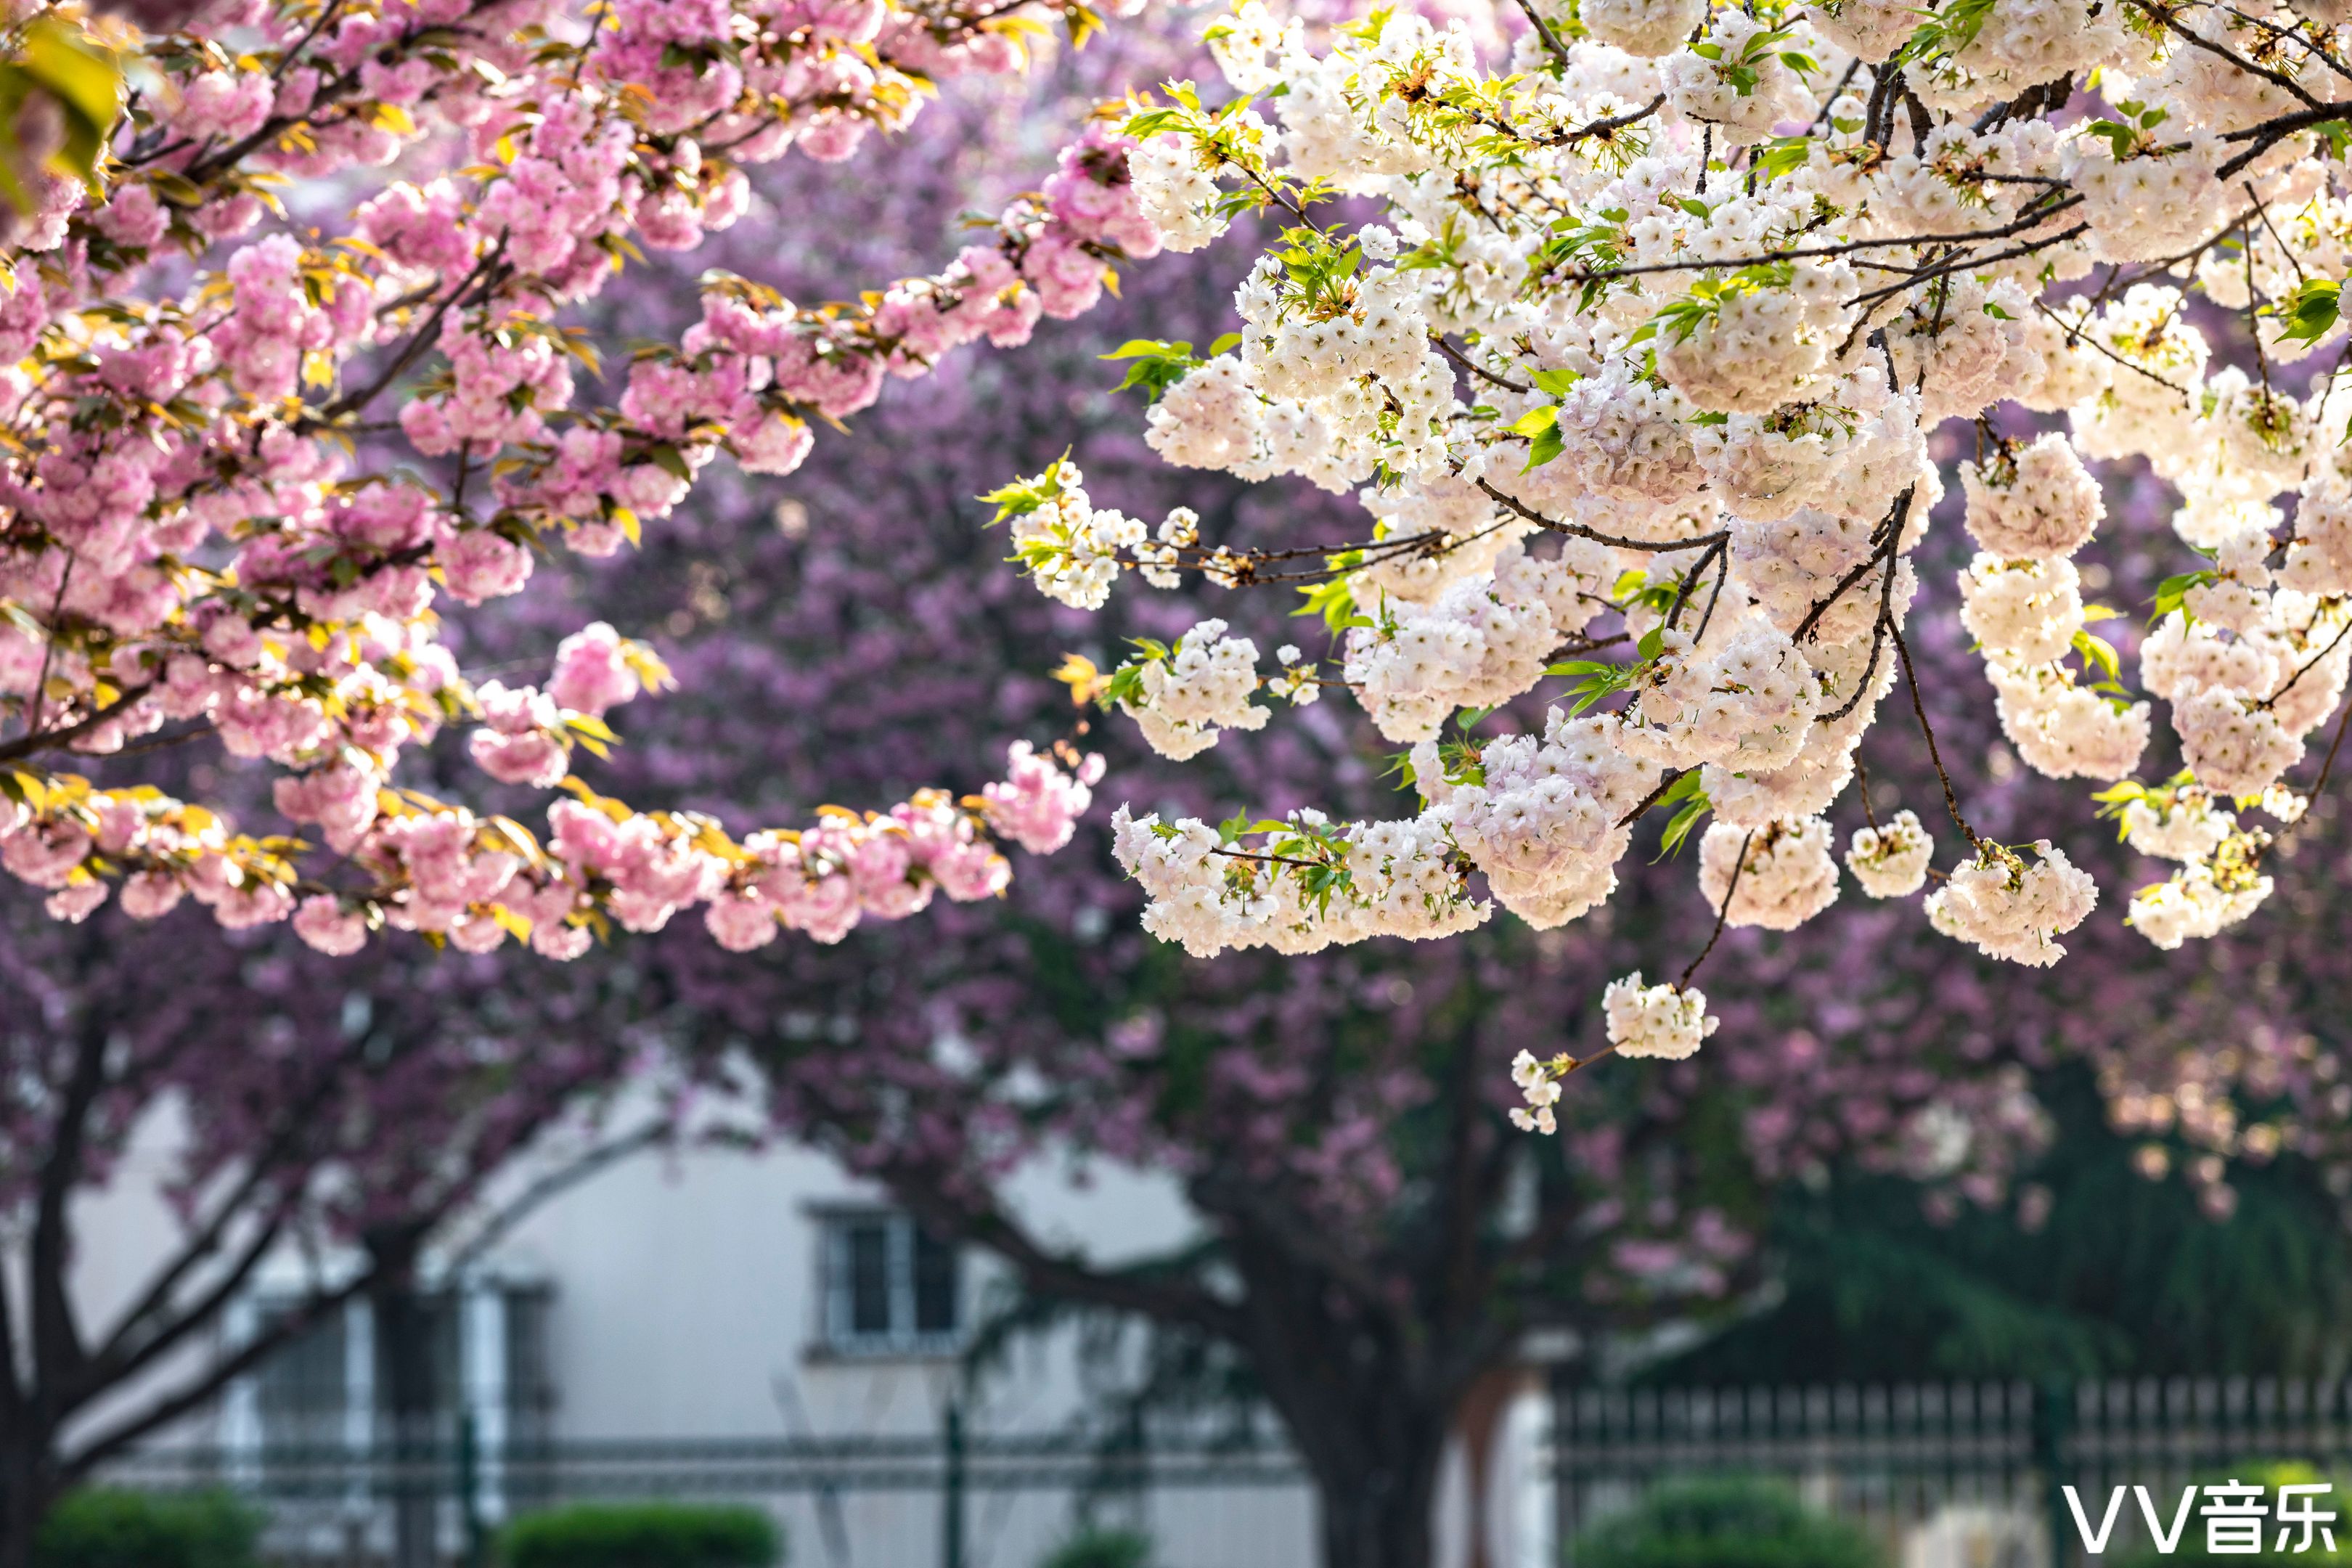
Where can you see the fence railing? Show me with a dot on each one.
(1949, 1474)
(1901, 1457)
(958, 1502)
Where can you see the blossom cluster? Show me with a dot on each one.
(1638, 342)
(211, 523)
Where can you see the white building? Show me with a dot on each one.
(735, 1326)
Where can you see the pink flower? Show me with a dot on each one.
(421, 228)
(533, 759)
(741, 922)
(252, 903)
(131, 218)
(45, 853)
(562, 942)
(591, 676)
(775, 444)
(74, 902)
(1038, 805)
(325, 925)
(150, 895)
(481, 565)
(340, 797)
(223, 106)
(477, 934)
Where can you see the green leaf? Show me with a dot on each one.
(2099, 654)
(85, 82)
(2172, 593)
(1691, 804)
(1137, 348)
(1157, 365)
(2311, 311)
(1544, 449)
(1125, 684)
(1783, 156)
(1334, 601)
(1592, 680)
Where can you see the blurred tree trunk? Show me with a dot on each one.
(26, 1491)
(405, 1414)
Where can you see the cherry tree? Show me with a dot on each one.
(1635, 365)
(1374, 1241)
(286, 1108)
(272, 405)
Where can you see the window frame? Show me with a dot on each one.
(837, 1337)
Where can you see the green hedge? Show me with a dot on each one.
(2268, 1474)
(1102, 1549)
(1725, 1521)
(644, 1536)
(102, 1528)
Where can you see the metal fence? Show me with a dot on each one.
(1948, 1476)
(958, 1502)
(1969, 1473)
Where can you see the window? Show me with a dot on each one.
(889, 1287)
(302, 1393)
(480, 1350)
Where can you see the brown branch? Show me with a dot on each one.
(49, 648)
(485, 277)
(26, 745)
(1845, 248)
(1458, 357)
(1723, 914)
(2302, 670)
(1604, 128)
(2198, 40)
(1699, 541)
(202, 1389)
(1887, 553)
(1543, 30)
(1666, 782)
(1934, 755)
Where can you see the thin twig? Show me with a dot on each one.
(1723, 914)
(1665, 782)
(1458, 357)
(2304, 669)
(1934, 755)
(1543, 30)
(1698, 542)
(48, 649)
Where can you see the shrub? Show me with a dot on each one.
(1102, 1549)
(2268, 1474)
(644, 1536)
(1725, 1521)
(107, 1528)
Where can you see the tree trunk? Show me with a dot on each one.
(1374, 1507)
(406, 1416)
(26, 1494)
(404, 1392)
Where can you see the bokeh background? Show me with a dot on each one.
(1004, 1235)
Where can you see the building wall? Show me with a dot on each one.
(689, 1291)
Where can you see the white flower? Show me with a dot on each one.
(1656, 1021)
(2005, 909)
(1891, 861)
